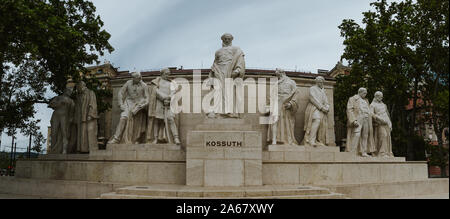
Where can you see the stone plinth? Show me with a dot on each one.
(302, 148)
(224, 158)
(141, 152)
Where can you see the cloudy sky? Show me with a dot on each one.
(298, 35)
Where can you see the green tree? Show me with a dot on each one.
(38, 143)
(43, 43)
(387, 53)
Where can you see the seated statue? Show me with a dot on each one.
(282, 128)
(133, 100)
(161, 125)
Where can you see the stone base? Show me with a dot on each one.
(300, 148)
(324, 154)
(142, 152)
(125, 172)
(210, 162)
(429, 188)
(335, 173)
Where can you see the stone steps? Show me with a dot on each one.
(323, 196)
(185, 192)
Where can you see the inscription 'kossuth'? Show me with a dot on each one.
(223, 144)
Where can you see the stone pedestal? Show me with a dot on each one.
(224, 158)
(278, 148)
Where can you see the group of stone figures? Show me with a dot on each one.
(368, 129)
(146, 115)
(74, 123)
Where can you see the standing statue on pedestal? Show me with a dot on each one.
(316, 116)
(382, 126)
(161, 125)
(133, 100)
(359, 125)
(86, 119)
(62, 116)
(229, 63)
(282, 130)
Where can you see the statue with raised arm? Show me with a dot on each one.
(86, 117)
(161, 125)
(283, 117)
(133, 100)
(359, 125)
(316, 115)
(62, 116)
(229, 63)
(382, 126)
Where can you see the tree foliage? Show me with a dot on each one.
(43, 43)
(400, 49)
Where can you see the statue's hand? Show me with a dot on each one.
(355, 124)
(287, 106)
(167, 102)
(235, 73)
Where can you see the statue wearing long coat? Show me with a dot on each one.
(156, 110)
(86, 119)
(288, 93)
(354, 114)
(317, 100)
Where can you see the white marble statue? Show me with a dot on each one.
(133, 100)
(229, 62)
(359, 125)
(282, 130)
(316, 116)
(382, 126)
(161, 125)
(62, 116)
(86, 117)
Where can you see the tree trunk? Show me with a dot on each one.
(412, 125)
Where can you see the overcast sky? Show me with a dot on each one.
(151, 34)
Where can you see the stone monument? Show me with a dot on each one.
(382, 126)
(359, 125)
(86, 117)
(161, 125)
(316, 116)
(133, 100)
(62, 116)
(222, 157)
(283, 116)
(229, 63)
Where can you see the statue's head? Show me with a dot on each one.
(81, 86)
(227, 39)
(362, 92)
(280, 73)
(378, 96)
(165, 73)
(319, 81)
(68, 91)
(136, 77)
